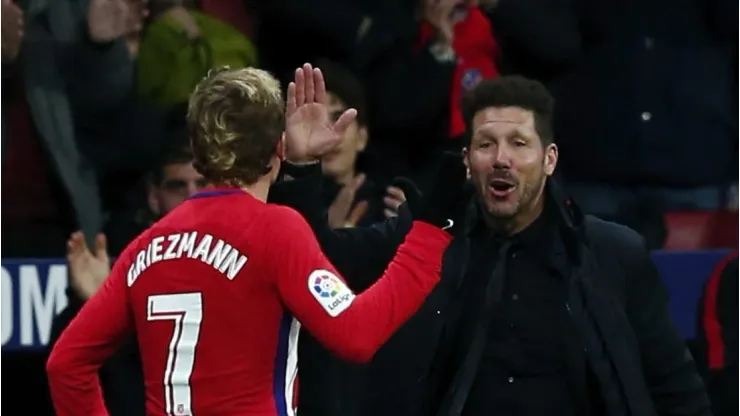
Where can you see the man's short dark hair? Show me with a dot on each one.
(177, 144)
(173, 155)
(343, 83)
(511, 91)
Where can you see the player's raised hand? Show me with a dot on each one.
(87, 270)
(309, 132)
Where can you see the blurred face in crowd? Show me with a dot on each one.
(339, 164)
(178, 182)
(508, 164)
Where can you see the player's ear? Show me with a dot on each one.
(280, 151)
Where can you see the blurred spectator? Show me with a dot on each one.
(407, 84)
(123, 137)
(646, 95)
(237, 13)
(166, 186)
(353, 198)
(49, 186)
(180, 46)
(70, 61)
(476, 51)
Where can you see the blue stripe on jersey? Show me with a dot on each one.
(281, 361)
(219, 192)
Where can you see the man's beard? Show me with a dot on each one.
(505, 221)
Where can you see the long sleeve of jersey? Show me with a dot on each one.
(93, 335)
(353, 326)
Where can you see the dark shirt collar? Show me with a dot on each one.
(530, 236)
(538, 232)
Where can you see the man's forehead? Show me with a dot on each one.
(180, 170)
(505, 115)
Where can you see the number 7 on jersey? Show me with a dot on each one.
(186, 310)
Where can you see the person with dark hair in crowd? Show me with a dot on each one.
(353, 198)
(541, 310)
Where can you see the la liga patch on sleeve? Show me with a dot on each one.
(329, 290)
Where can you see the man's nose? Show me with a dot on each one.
(503, 158)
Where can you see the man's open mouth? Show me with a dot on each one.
(501, 188)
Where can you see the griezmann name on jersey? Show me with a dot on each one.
(214, 293)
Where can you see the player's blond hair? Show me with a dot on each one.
(235, 120)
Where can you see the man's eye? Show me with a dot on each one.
(174, 185)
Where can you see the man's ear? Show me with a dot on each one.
(551, 158)
(466, 161)
(362, 137)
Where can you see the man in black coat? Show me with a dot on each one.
(541, 310)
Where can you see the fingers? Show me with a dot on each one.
(101, 246)
(308, 77)
(310, 86)
(291, 105)
(396, 193)
(319, 86)
(76, 244)
(345, 120)
(357, 182)
(300, 87)
(357, 213)
(392, 201)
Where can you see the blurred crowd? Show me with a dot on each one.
(95, 94)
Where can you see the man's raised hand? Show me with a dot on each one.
(309, 132)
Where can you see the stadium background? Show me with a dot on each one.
(126, 141)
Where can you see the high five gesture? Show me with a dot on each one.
(309, 132)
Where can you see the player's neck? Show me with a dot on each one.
(258, 190)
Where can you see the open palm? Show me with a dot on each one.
(309, 132)
(87, 270)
